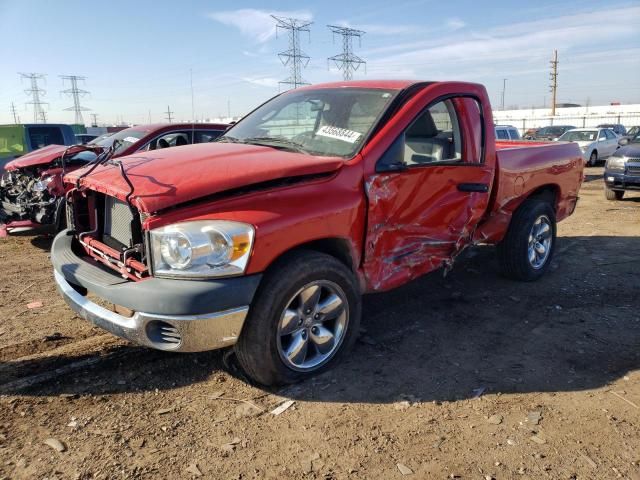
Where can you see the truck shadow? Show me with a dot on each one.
(435, 339)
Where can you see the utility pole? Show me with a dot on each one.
(554, 82)
(16, 118)
(347, 61)
(35, 92)
(75, 93)
(169, 112)
(504, 88)
(94, 119)
(294, 57)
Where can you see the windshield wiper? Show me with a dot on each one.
(276, 142)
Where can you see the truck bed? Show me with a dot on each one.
(522, 168)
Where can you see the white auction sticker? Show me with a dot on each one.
(131, 139)
(338, 133)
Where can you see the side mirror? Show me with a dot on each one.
(623, 141)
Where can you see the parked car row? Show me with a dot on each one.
(596, 144)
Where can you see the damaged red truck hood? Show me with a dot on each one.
(42, 156)
(164, 178)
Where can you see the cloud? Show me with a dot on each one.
(522, 43)
(262, 81)
(382, 29)
(258, 25)
(455, 24)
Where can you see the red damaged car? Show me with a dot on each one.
(267, 238)
(31, 189)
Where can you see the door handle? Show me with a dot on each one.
(473, 187)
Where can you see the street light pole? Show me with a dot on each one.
(504, 87)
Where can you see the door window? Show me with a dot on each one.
(434, 136)
(610, 134)
(170, 139)
(206, 136)
(602, 135)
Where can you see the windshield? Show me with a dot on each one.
(580, 136)
(633, 131)
(331, 122)
(97, 140)
(552, 130)
(124, 138)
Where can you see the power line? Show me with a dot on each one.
(75, 93)
(35, 92)
(554, 81)
(294, 57)
(347, 61)
(16, 117)
(169, 117)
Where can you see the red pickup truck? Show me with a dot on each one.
(267, 238)
(31, 188)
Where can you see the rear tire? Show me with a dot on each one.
(527, 249)
(593, 159)
(304, 319)
(613, 194)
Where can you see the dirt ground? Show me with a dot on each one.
(470, 376)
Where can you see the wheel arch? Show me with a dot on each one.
(549, 192)
(340, 248)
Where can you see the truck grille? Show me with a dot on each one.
(118, 219)
(635, 169)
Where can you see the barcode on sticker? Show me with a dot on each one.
(343, 134)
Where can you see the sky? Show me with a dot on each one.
(138, 57)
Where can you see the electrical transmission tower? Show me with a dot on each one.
(554, 82)
(35, 92)
(16, 117)
(169, 117)
(347, 61)
(294, 57)
(75, 93)
(94, 119)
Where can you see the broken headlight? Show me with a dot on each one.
(204, 248)
(42, 184)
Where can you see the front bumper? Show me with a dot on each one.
(617, 180)
(174, 315)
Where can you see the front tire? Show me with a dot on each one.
(613, 194)
(526, 250)
(305, 318)
(593, 159)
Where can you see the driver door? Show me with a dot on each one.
(430, 190)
